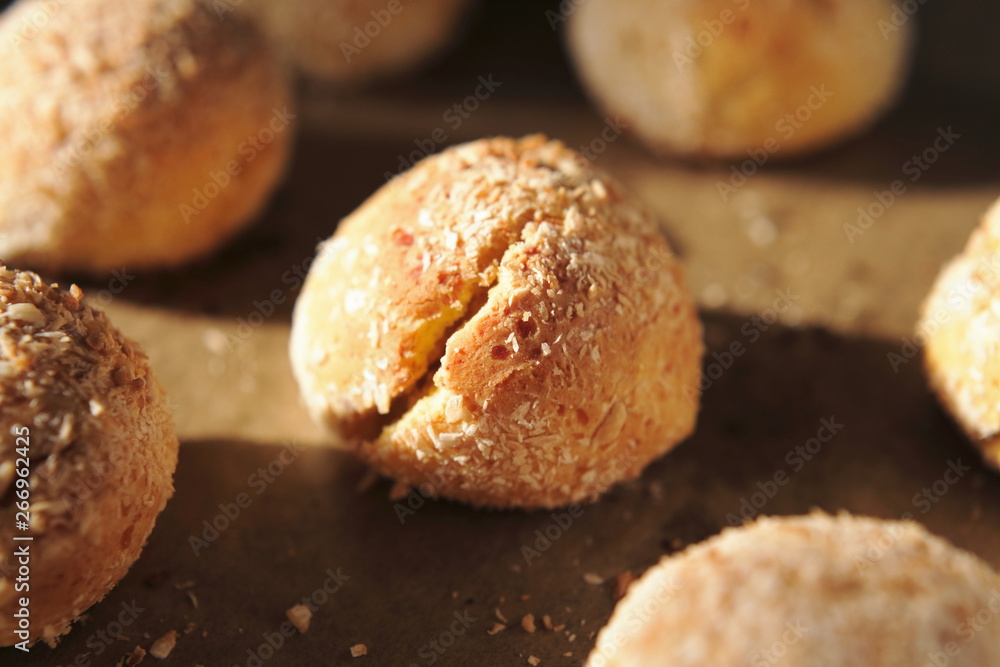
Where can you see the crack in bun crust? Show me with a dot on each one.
(102, 450)
(503, 326)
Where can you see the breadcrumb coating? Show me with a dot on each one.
(102, 450)
(960, 322)
(809, 591)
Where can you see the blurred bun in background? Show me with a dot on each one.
(139, 134)
(717, 78)
(348, 41)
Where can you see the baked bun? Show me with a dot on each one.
(719, 78)
(80, 398)
(139, 134)
(500, 325)
(345, 41)
(808, 591)
(960, 330)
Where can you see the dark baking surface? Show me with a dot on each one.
(408, 579)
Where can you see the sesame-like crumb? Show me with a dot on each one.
(162, 647)
(532, 660)
(137, 656)
(497, 628)
(528, 622)
(547, 621)
(359, 650)
(593, 579)
(300, 616)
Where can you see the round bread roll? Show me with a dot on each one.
(139, 134)
(346, 41)
(719, 78)
(960, 328)
(808, 591)
(503, 326)
(79, 400)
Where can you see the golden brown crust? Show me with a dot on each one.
(960, 322)
(719, 77)
(122, 110)
(102, 448)
(811, 590)
(501, 326)
(354, 40)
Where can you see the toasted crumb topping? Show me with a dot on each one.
(162, 647)
(300, 616)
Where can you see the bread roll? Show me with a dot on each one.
(500, 325)
(78, 398)
(139, 134)
(719, 78)
(345, 41)
(960, 326)
(809, 591)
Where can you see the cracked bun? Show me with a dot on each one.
(960, 324)
(501, 325)
(138, 134)
(719, 78)
(808, 591)
(79, 399)
(344, 41)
